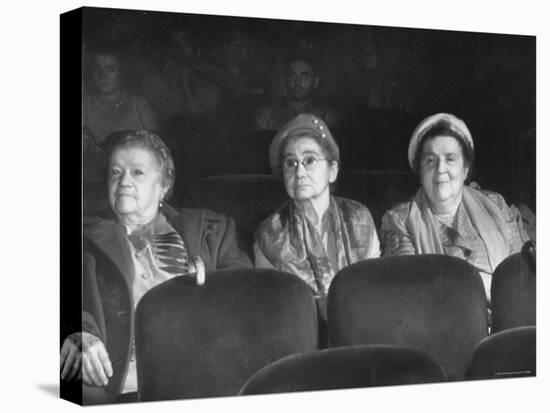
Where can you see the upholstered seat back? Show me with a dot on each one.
(248, 199)
(345, 367)
(378, 190)
(509, 353)
(433, 303)
(200, 341)
(513, 293)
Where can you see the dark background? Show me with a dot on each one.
(488, 80)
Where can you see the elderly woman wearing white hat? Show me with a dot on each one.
(314, 234)
(445, 216)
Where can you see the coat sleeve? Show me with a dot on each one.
(396, 240)
(515, 233)
(228, 253)
(92, 310)
(260, 260)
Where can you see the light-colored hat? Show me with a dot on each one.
(302, 123)
(454, 123)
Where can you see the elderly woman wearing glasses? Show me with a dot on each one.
(446, 216)
(314, 234)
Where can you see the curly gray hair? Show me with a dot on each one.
(146, 140)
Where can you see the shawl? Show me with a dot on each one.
(485, 215)
(290, 242)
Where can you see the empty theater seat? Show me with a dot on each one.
(509, 353)
(378, 190)
(432, 303)
(513, 293)
(249, 199)
(375, 138)
(345, 367)
(201, 341)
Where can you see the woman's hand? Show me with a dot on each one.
(87, 351)
(96, 365)
(71, 356)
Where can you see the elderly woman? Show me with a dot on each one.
(445, 216)
(314, 234)
(144, 243)
(108, 107)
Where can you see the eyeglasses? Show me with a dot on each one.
(308, 162)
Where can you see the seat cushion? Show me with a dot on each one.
(345, 367)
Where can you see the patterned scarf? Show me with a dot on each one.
(167, 247)
(483, 213)
(290, 242)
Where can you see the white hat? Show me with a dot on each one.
(454, 123)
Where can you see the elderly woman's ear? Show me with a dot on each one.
(334, 171)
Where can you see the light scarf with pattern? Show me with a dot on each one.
(484, 214)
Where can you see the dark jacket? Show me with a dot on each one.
(108, 308)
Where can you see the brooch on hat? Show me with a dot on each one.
(319, 126)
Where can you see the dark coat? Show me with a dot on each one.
(108, 308)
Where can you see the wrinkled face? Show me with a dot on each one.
(106, 73)
(301, 81)
(307, 184)
(135, 183)
(442, 170)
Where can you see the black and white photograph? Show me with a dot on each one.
(260, 209)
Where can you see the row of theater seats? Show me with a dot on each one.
(391, 320)
(372, 140)
(251, 198)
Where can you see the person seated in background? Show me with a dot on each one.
(446, 216)
(302, 83)
(314, 234)
(107, 107)
(182, 86)
(143, 243)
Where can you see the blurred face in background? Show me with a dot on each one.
(237, 48)
(183, 45)
(106, 73)
(301, 81)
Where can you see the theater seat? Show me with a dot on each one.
(513, 293)
(378, 190)
(432, 303)
(202, 341)
(375, 138)
(509, 353)
(345, 367)
(249, 199)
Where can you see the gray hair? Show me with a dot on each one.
(146, 140)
